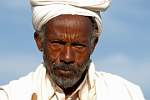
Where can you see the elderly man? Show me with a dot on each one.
(66, 32)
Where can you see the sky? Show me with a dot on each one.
(123, 47)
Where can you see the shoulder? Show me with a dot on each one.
(112, 79)
(17, 88)
(23, 87)
(115, 85)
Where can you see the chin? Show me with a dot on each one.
(65, 82)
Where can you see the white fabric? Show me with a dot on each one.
(44, 10)
(98, 86)
(3, 95)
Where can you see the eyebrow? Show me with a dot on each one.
(67, 43)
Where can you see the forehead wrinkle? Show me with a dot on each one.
(71, 22)
(71, 36)
(71, 27)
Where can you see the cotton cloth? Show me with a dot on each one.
(44, 10)
(96, 86)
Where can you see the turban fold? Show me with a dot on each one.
(44, 10)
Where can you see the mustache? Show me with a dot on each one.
(65, 67)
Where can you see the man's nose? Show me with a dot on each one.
(67, 55)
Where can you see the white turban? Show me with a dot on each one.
(44, 10)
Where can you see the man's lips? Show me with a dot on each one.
(62, 72)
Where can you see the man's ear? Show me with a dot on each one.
(93, 43)
(38, 41)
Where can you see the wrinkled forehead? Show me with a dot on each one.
(70, 24)
(70, 21)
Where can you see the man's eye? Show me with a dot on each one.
(55, 45)
(79, 46)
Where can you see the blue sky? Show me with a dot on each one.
(123, 47)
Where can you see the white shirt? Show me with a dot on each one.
(96, 86)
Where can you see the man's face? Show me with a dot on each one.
(67, 48)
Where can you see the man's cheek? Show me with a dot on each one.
(82, 61)
(50, 55)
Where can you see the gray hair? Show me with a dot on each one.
(42, 32)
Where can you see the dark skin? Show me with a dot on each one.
(67, 45)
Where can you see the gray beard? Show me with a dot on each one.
(66, 82)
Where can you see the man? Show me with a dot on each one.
(66, 32)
